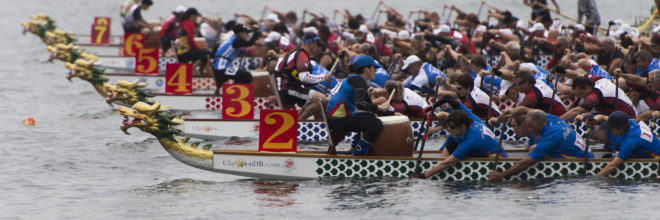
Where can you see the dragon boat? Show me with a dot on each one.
(306, 165)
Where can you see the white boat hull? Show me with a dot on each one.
(156, 82)
(87, 39)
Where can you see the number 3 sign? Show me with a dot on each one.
(238, 101)
(278, 130)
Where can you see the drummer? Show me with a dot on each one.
(468, 137)
(557, 140)
(223, 68)
(404, 100)
(638, 140)
(350, 107)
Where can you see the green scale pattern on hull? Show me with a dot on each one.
(476, 170)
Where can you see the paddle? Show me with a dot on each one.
(327, 82)
(426, 132)
(616, 95)
(480, 6)
(609, 24)
(277, 92)
(419, 136)
(554, 90)
(327, 127)
(611, 58)
(377, 7)
(264, 13)
(590, 123)
(499, 144)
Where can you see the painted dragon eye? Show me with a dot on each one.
(118, 86)
(134, 111)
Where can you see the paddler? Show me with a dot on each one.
(169, 31)
(187, 49)
(638, 139)
(468, 137)
(421, 74)
(404, 100)
(134, 22)
(295, 69)
(597, 93)
(557, 140)
(223, 68)
(350, 107)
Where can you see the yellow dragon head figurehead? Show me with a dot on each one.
(151, 119)
(85, 70)
(127, 92)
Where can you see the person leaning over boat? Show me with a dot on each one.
(597, 93)
(421, 74)
(470, 96)
(294, 70)
(223, 68)
(187, 49)
(350, 107)
(638, 140)
(468, 137)
(404, 100)
(558, 140)
(133, 21)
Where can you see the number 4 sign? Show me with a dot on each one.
(179, 78)
(278, 130)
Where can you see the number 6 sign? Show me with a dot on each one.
(278, 130)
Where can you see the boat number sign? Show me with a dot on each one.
(238, 101)
(278, 130)
(132, 42)
(146, 60)
(178, 78)
(101, 30)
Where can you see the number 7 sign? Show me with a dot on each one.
(178, 78)
(101, 30)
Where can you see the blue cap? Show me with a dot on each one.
(354, 59)
(364, 61)
(615, 119)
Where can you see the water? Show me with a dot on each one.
(77, 164)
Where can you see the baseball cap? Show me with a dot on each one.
(311, 37)
(364, 29)
(180, 9)
(410, 60)
(537, 27)
(615, 119)
(241, 28)
(364, 61)
(311, 30)
(442, 29)
(273, 18)
(442, 122)
(403, 34)
(504, 86)
(579, 27)
(192, 11)
(272, 37)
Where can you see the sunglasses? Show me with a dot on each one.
(459, 88)
(518, 84)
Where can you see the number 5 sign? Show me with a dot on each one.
(178, 77)
(238, 101)
(101, 30)
(278, 130)
(146, 60)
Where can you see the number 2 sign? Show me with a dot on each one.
(101, 30)
(278, 130)
(238, 101)
(178, 78)
(146, 60)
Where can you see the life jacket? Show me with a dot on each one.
(464, 39)
(225, 55)
(289, 76)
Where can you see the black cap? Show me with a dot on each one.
(311, 37)
(241, 28)
(615, 119)
(147, 2)
(192, 11)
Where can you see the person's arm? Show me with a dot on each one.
(515, 169)
(557, 7)
(611, 167)
(645, 116)
(400, 43)
(631, 78)
(240, 42)
(570, 114)
(247, 18)
(491, 6)
(443, 165)
(361, 95)
(189, 27)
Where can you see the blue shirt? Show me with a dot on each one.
(381, 77)
(558, 140)
(598, 71)
(319, 70)
(426, 75)
(342, 100)
(638, 141)
(479, 140)
(225, 55)
(654, 65)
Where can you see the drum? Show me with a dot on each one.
(261, 81)
(396, 138)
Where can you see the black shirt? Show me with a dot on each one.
(428, 55)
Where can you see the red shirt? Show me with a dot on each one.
(167, 28)
(604, 104)
(187, 29)
(531, 100)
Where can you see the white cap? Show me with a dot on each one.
(480, 29)
(537, 27)
(311, 30)
(273, 18)
(521, 24)
(506, 31)
(272, 37)
(504, 86)
(364, 29)
(618, 22)
(530, 66)
(410, 60)
(442, 29)
(579, 27)
(625, 28)
(656, 29)
(180, 9)
(403, 34)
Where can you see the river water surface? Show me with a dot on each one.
(77, 164)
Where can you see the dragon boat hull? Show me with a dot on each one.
(128, 63)
(156, 82)
(315, 165)
(87, 39)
